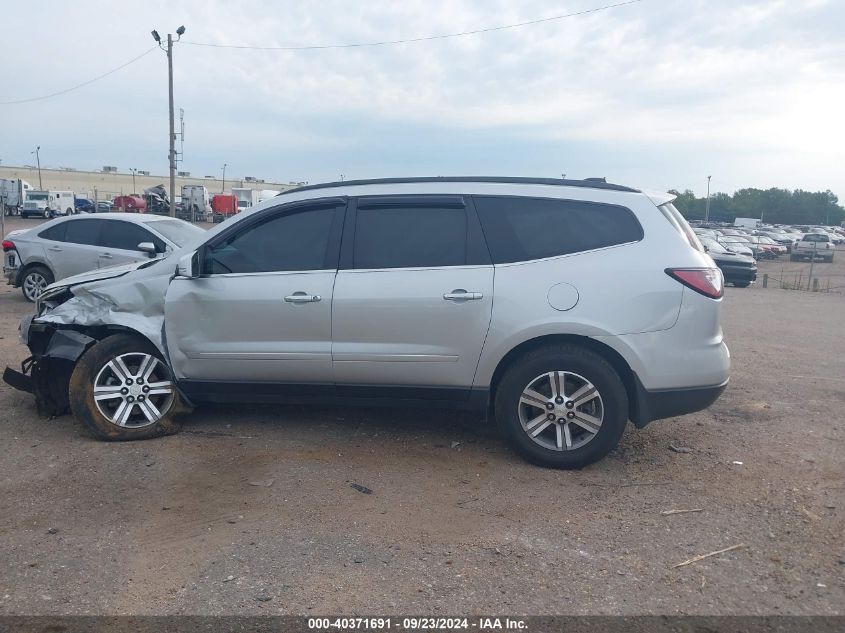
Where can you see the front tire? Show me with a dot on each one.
(34, 281)
(562, 407)
(742, 284)
(46, 215)
(121, 389)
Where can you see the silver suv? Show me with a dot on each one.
(564, 308)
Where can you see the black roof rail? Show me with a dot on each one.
(589, 183)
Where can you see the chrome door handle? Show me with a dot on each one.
(55, 249)
(462, 295)
(301, 297)
(106, 256)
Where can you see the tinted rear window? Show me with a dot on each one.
(55, 233)
(522, 229)
(410, 237)
(815, 237)
(83, 231)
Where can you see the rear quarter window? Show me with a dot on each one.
(54, 233)
(523, 229)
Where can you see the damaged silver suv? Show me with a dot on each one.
(563, 308)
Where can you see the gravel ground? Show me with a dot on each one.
(250, 509)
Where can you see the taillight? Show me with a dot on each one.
(8, 245)
(707, 281)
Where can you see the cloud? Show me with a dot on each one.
(679, 88)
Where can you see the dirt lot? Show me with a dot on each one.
(250, 509)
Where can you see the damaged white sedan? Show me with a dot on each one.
(564, 308)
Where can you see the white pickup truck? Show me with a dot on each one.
(813, 245)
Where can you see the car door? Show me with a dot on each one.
(413, 298)
(72, 247)
(119, 241)
(259, 316)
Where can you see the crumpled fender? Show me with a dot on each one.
(137, 304)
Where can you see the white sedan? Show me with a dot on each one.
(34, 258)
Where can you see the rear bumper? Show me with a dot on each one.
(739, 273)
(669, 403)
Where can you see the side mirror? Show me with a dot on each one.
(148, 247)
(189, 266)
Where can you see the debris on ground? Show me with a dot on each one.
(264, 483)
(736, 463)
(810, 515)
(666, 513)
(228, 579)
(679, 449)
(361, 488)
(263, 598)
(695, 559)
(52, 531)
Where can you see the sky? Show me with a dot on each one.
(657, 94)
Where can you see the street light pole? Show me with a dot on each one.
(707, 204)
(172, 154)
(38, 161)
(172, 126)
(223, 189)
(134, 191)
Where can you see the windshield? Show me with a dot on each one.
(37, 196)
(713, 246)
(177, 231)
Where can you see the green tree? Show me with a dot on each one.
(777, 206)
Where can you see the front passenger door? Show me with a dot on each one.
(261, 311)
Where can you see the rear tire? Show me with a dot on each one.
(150, 404)
(583, 430)
(34, 280)
(742, 284)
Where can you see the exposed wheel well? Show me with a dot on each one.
(29, 267)
(618, 363)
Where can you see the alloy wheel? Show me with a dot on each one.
(34, 284)
(133, 390)
(561, 410)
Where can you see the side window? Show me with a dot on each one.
(410, 237)
(521, 229)
(295, 241)
(55, 233)
(127, 236)
(83, 232)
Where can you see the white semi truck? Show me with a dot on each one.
(13, 191)
(195, 202)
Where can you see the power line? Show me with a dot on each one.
(83, 84)
(412, 40)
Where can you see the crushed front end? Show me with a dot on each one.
(46, 374)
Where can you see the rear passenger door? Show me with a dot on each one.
(73, 246)
(119, 241)
(412, 299)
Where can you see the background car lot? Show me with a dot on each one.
(455, 521)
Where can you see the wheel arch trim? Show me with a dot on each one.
(612, 356)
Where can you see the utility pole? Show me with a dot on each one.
(223, 189)
(707, 204)
(38, 160)
(172, 153)
(134, 191)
